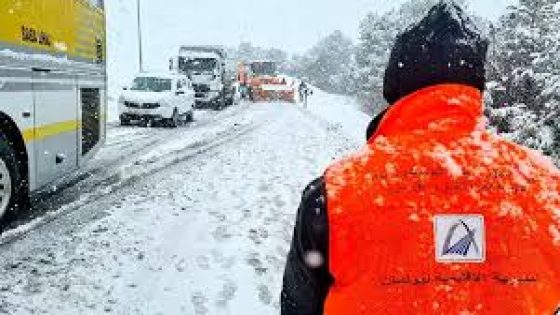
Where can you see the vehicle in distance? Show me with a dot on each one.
(261, 82)
(52, 93)
(157, 97)
(206, 66)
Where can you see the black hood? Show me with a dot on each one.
(445, 47)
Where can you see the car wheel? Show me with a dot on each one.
(175, 119)
(10, 180)
(124, 122)
(221, 103)
(189, 116)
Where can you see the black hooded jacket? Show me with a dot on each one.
(305, 288)
(444, 47)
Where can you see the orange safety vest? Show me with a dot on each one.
(429, 169)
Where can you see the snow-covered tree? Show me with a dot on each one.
(376, 39)
(330, 64)
(524, 69)
(377, 34)
(246, 51)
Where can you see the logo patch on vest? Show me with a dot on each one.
(460, 238)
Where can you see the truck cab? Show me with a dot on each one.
(206, 68)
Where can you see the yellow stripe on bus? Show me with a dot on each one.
(47, 131)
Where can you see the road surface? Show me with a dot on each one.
(193, 220)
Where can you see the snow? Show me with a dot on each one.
(445, 157)
(185, 52)
(193, 220)
(42, 58)
(340, 112)
(277, 87)
(507, 208)
(199, 219)
(555, 233)
(34, 57)
(143, 164)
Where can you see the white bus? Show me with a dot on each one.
(52, 92)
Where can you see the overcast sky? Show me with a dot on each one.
(293, 25)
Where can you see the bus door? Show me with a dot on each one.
(56, 125)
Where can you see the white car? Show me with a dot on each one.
(155, 97)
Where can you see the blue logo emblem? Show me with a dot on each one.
(463, 245)
(459, 238)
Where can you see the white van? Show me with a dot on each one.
(157, 97)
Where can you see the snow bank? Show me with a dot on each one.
(341, 112)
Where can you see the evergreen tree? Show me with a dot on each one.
(524, 69)
(376, 39)
(330, 64)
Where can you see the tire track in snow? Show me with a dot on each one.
(207, 233)
(117, 179)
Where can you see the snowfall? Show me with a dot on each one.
(193, 220)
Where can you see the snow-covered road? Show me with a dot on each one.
(195, 220)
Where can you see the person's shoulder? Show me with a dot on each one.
(528, 161)
(314, 189)
(349, 165)
(312, 217)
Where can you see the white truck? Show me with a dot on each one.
(206, 68)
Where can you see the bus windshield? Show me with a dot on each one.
(151, 84)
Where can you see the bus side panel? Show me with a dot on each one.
(56, 125)
(16, 101)
(63, 41)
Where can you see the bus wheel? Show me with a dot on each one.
(9, 178)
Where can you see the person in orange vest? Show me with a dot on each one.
(435, 215)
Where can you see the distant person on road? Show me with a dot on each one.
(302, 89)
(435, 215)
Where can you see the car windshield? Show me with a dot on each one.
(151, 84)
(198, 64)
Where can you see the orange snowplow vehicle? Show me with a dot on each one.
(259, 80)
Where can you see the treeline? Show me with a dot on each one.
(523, 92)
(329, 65)
(338, 65)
